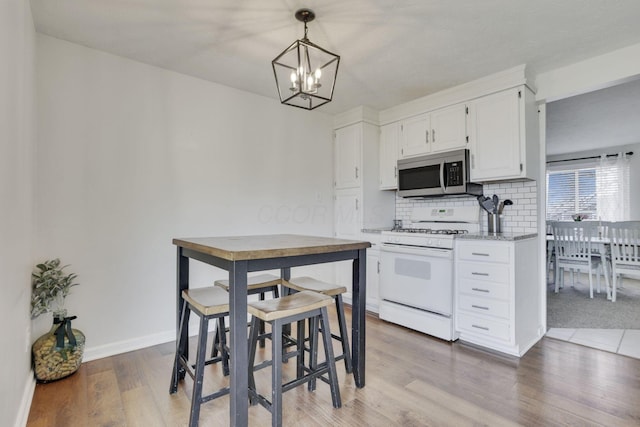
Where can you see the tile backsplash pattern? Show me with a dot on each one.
(522, 217)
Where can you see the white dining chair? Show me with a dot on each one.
(551, 255)
(573, 250)
(625, 251)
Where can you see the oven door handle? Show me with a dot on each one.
(399, 249)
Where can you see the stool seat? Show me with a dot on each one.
(289, 305)
(208, 301)
(260, 284)
(256, 282)
(306, 283)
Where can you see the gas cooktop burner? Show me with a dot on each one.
(428, 231)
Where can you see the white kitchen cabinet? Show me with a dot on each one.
(347, 210)
(497, 304)
(389, 137)
(449, 128)
(348, 159)
(414, 136)
(359, 204)
(503, 136)
(343, 273)
(440, 130)
(373, 274)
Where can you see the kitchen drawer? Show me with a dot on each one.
(484, 306)
(483, 288)
(485, 271)
(483, 326)
(484, 252)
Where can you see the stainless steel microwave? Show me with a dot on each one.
(439, 174)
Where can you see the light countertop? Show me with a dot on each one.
(507, 237)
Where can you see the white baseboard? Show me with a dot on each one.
(25, 403)
(93, 353)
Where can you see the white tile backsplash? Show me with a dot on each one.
(521, 217)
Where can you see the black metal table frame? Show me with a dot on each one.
(239, 403)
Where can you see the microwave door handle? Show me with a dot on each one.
(442, 185)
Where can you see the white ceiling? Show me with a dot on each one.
(391, 51)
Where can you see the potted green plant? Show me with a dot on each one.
(58, 353)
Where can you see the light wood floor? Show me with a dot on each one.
(411, 380)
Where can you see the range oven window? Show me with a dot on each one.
(420, 177)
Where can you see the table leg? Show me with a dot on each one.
(239, 381)
(285, 273)
(358, 313)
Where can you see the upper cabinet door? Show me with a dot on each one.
(389, 137)
(494, 134)
(347, 149)
(449, 128)
(416, 136)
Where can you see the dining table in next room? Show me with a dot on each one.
(240, 255)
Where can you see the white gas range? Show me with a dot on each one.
(416, 269)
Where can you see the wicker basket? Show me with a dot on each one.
(51, 363)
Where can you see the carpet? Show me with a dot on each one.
(571, 307)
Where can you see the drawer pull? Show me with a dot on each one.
(480, 290)
(480, 307)
(473, 273)
(484, 328)
(479, 254)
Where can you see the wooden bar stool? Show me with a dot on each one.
(300, 284)
(283, 311)
(208, 303)
(260, 284)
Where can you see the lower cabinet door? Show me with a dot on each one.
(482, 326)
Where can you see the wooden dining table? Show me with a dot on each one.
(240, 255)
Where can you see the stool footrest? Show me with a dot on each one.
(219, 393)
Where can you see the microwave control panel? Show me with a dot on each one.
(453, 174)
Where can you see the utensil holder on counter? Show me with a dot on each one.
(494, 223)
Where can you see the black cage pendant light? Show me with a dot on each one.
(305, 73)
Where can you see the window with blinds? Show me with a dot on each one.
(599, 189)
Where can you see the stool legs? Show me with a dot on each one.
(196, 396)
(178, 372)
(328, 350)
(276, 373)
(277, 325)
(344, 337)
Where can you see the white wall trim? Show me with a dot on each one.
(506, 79)
(25, 403)
(119, 347)
(542, 214)
(356, 115)
(599, 72)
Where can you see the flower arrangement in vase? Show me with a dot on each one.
(58, 353)
(579, 216)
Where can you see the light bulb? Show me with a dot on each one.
(318, 74)
(293, 77)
